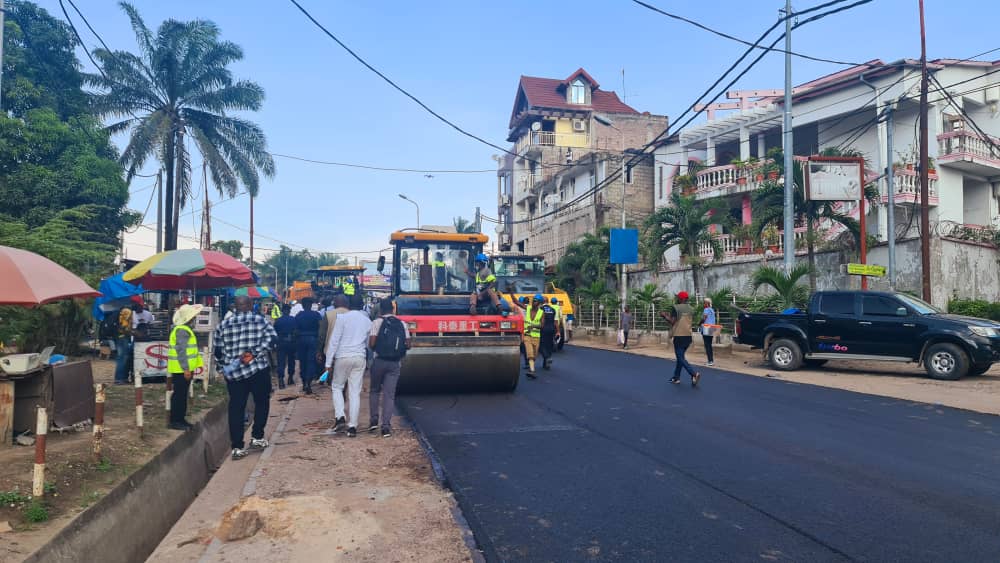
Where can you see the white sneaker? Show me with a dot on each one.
(256, 444)
(239, 453)
(710, 364)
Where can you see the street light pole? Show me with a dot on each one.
(275, 268)
(415, 205)
(622, 279)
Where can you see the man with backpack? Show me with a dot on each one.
(547, 339)
(389, 339)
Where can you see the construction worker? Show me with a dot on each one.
(183, 358)
(523, 301)
(533, 316)
(440, 271)
(275, 312)
(560, 322)
(547, 334)
(486, 286)
(348, 286)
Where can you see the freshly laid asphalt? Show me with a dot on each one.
(601, 459)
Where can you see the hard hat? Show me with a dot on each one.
(482, 258)
(522, 299)
(554, 301)
(539, 297)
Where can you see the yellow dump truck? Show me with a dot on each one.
(524, 275)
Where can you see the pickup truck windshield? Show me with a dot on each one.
(918, 305)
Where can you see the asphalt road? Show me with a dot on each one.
(602, 459)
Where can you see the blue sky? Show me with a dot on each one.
(463, 58)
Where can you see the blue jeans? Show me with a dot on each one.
(123, 347)
(307, 358)
(681, 344)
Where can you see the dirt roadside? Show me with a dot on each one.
(317, 496)
(74, 481)
(887, 379)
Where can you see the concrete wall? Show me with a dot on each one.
(126, 525)
(958, 269)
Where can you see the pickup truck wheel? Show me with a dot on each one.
(814, 363)
(946, 361)
(784, 355)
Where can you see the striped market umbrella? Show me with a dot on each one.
(253, 292)
(189, 269)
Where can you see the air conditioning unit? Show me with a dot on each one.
(579, 126)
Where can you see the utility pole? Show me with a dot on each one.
(2, 14)
(478, 222)
(206, 213)
(925, 221)
(159, 209)
(251, 232)
(891, 193)
(789, 147)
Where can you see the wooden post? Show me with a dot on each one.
(6, 413)
(98, 420)
(41, 431)
(138, 403)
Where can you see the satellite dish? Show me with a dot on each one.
(536, 126)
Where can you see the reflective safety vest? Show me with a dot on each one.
(483, 282)
(438, 264)
(533, 322)
(348, 288)
(275, 312)
(558, 308)
(194, 356)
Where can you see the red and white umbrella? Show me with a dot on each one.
(30, 279)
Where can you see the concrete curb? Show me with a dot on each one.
(441, 474)
(130, 521)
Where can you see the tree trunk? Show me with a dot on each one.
(692, 252)
(811, 249)
(177, 192)
(169, 236)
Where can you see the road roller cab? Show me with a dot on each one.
(523, 275)
(433, 277)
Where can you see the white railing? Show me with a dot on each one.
(963, 143)
(732, 246)
(551, 139)
(906, 187)
(729, 179)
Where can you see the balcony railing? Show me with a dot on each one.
(551, 139)
(732, 246)
(906, 184)
(966, 145)
(727, 180)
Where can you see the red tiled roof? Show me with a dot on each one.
(551, 93)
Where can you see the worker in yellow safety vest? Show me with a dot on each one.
(533, 317)
(440, 271)
(183, 359)
(348, 286)
(275, 312)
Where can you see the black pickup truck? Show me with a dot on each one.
(870, 325)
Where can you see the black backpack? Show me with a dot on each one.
(390, 344)
(548, 317)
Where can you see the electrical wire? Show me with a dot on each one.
(737, 39)
(994, 149)
(383, 168)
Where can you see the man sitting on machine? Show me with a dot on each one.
(486, 289)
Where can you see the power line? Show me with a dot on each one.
(737, 39)
(383, 168)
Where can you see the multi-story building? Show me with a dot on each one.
(562, 178)
(846, 110)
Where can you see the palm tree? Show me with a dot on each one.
(786, 286)
(650, 296)
(586, 261)
(684, 223)
(180, 87)
(595, 293)
(769, 205)
(463, 225)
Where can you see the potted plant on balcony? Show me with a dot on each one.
(741, 167)
(931, 165)
(744, 234)
(770, 237)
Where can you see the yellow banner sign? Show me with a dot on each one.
(866, 270)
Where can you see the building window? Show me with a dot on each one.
(628, 174)
(572, 187)
(578, 92)
(602, 170)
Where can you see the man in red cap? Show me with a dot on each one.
(680, 319)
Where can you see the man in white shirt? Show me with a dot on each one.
(142, 316)
(296, 308)
(348, 354)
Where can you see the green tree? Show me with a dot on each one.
(786, 286)
(463, 225)
(233, 248)
(586, 261)
(769, 205)
(180, 87)
(684, 223)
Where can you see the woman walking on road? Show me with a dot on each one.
(708, 329)
(680, 319)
